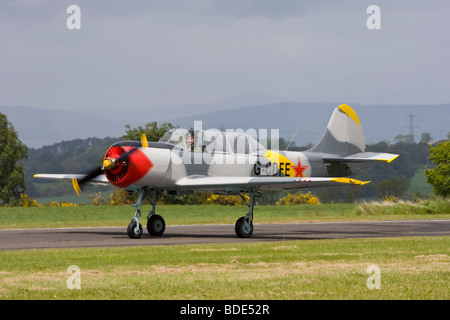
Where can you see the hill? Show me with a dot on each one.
(380, 122)
(81, 155)
(39, 127)
(74, 156)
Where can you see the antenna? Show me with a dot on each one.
(411, 125)
(292, 138)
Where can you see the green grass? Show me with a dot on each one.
(410, 268)
(438, 207)
(94, 216)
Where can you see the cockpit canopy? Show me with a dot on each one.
(213, 141)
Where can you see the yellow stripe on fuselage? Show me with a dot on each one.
(284, 164)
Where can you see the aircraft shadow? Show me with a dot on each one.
(308, 234)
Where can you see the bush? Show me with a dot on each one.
(98, 199)
(226, 200)
(299, 198)
(25, 201)
(121, 197)
(62, 204)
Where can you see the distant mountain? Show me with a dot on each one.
(379, 122)
(38, 127)
(194, 109)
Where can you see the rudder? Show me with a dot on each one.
(344, 135)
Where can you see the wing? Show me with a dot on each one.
(101, 179)
(236, 184)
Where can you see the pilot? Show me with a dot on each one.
(191, 142)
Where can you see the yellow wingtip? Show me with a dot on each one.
(350, 181)
(76, 186)
(36, 175)
(144, 141)
(350, 112)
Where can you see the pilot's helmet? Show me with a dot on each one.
(190, 136)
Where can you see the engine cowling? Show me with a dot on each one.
(129, 171)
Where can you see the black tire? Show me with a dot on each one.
(243, 231)
(156, 225)
(132, 232)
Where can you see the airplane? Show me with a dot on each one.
(228, 163)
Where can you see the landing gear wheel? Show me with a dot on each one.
(133, 232)
(243, 228)
(156, 225)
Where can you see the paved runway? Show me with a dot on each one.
(198, 234)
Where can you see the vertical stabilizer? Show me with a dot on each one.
(343, 135)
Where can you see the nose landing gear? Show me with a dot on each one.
(155, 224)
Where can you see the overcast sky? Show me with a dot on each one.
(144, 54)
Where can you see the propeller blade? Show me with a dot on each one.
(125, 156)
(89, 176)
(144, 141)
(107, 164)
(76, 186)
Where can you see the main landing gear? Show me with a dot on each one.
(244, 225)
(155, 223)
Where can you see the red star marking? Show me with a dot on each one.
(299, 169)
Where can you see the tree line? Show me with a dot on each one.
(18, 164)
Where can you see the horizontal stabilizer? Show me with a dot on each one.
(363, 157)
